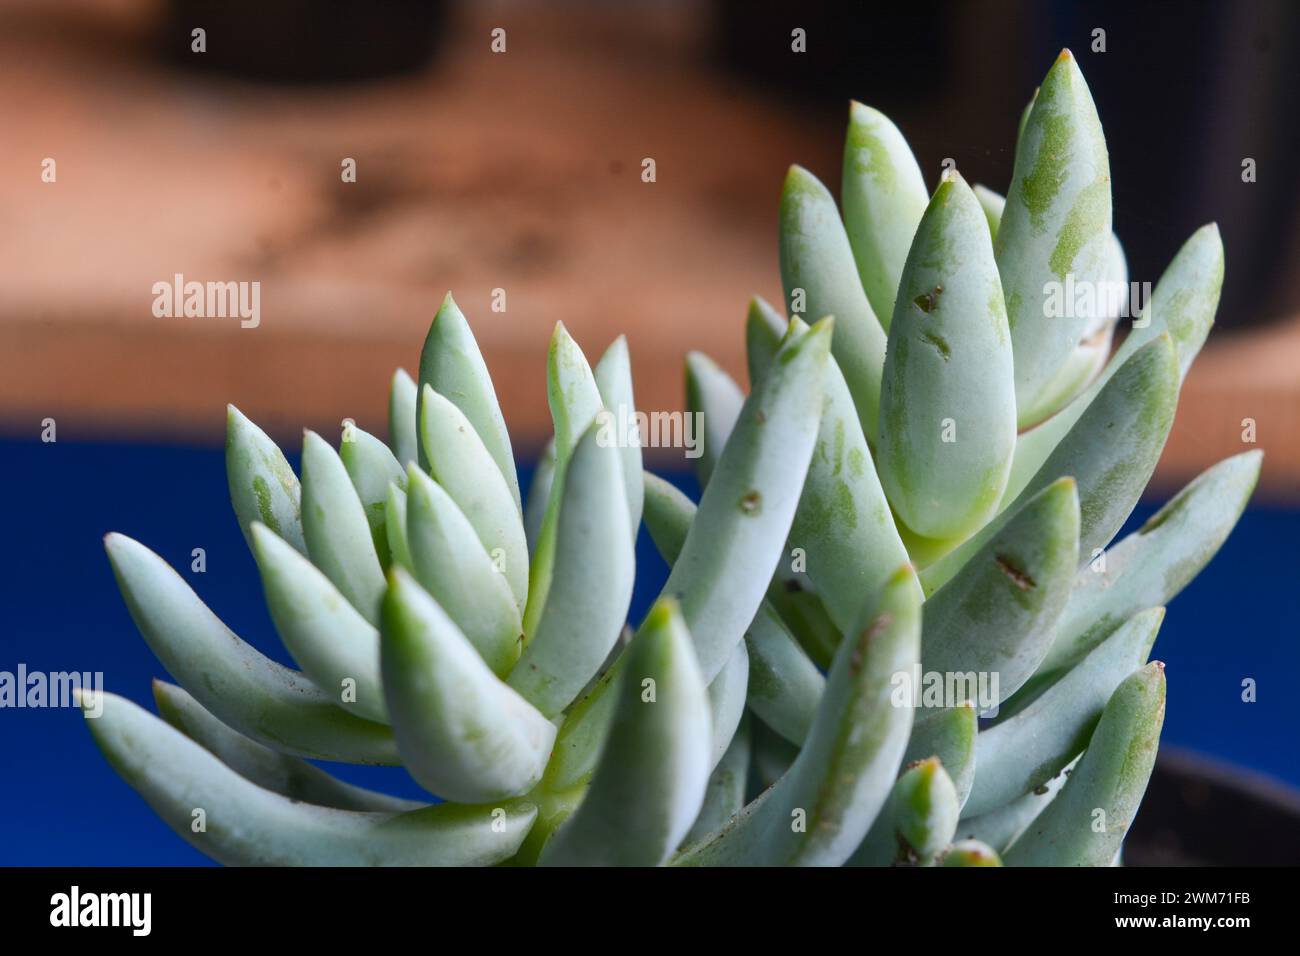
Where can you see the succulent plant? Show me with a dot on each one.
(923, 483)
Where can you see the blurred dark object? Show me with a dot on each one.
(1187, 91)
(1201, 813)
(852, 49)
(305, 41)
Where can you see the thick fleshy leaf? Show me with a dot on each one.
(1023, 752)
(947, 400)
(995, 618)
(539, 492)
(288, 776)
(451, 563)
(992, 203)
(1111, 452)
(1056, 223)
(771, 756)
(822, 807)
(372, 468)
(335, 527)
(395, 527)
(845, 568)
(462, 733)
(591, 580)
(247, 825)
(971, 853)
(725, 794)
(463, 466)
(948, 733)
(262, 485)
(1153, 564)
(999, 828)
(728, 693)
(1183, 304)
(668, 516)
(884, 198)
(764, 330)
(843, 527)
(713, 396)
(452, 365)
(1086, 823)
(403, 411)
(925, 809)
(654, 767)
(329, 639)
(917, 822)
(575, 401)
(244, 689)
(803, 613)
(613, 374)
(1024, 118)
(784, 684)
(735, 541)
(821, 279)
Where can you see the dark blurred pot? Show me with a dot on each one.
(306, 41)
(1201, 813)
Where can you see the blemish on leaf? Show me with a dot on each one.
(751, 503)
(877, 627)
(1018, 577)
(926, 301)
(940, 345)
(263, 494)
(792, 586)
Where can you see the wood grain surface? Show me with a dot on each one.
(518, 171)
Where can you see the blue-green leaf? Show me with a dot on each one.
(246, 825)
(821, 279)
(713, 397)
(244, 689)
(1086, 823)
(1150, 566)
(403, 411)
(1183, 304)
(452, 366)
(329, 639)
(451, 563)
(1056, 223)
(463, 466)
(1111, 452)
(289, 776)
(462, 733)
(884, 198)
(735, 541)
(372, 468)
(996, 616)
(336, 529)
(947, 401)
(262, 485)
(650, 781)
(613, 374)
(822, 807)
(1032, 746)
(591, 581)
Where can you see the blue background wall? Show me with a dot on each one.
(60, 803)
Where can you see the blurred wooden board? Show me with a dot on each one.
(519, 171)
